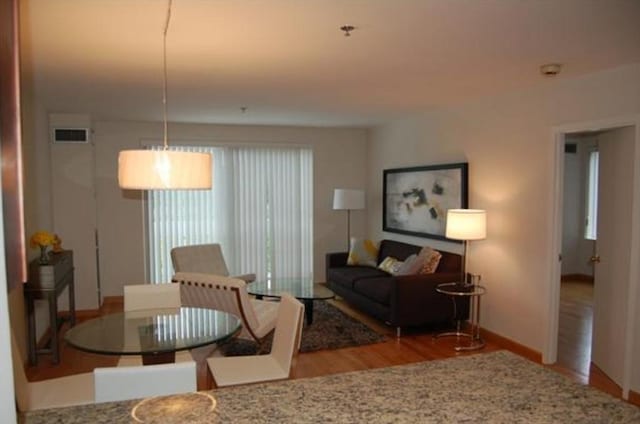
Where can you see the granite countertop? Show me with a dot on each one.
(497, 387)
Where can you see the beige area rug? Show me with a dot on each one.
(331, 329)
(497, 387)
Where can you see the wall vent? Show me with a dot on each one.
(71, 135)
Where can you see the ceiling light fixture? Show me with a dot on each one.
(347, 30)
(550, 69)
(145, 169)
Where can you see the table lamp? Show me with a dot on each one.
(346, 199)
(466, 225)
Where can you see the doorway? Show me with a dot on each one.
(578, 251)
(613, 331)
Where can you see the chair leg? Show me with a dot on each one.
(398, 332)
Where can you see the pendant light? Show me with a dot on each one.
(164, 169)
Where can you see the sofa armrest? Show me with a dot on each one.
(414, 298)
(333, 260)
(336, 259)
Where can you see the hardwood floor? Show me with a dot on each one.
(413, 346)
(574, 337)
(575, 326)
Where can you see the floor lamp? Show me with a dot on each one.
(466, 225)
(349, 200)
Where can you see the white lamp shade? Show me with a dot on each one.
(348, 199)
(164, 170)
(466, 224)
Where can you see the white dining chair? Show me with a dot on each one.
(134, 382)
(229, 295)
(205, 259)
(140, 297)
(278, 364)
(101, 385)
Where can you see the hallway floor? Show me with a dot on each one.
(574, 337)
(575, 326)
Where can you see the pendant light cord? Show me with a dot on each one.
(164, 68)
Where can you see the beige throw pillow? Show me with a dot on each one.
(390, 265)
(411, 265)
(362, 252)
(430, 260)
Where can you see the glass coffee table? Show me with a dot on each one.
(155, 334)
(302, 289)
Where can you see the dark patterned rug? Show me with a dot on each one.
(331, 329)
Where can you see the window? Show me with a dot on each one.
(260, 210)
(591, 220)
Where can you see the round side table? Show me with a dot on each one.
(474, 293)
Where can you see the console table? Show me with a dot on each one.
(47, 282)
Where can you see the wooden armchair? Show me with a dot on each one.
(205, 259)
(228, 295)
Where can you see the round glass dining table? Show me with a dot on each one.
(156, 334)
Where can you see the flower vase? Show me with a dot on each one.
(44, 258)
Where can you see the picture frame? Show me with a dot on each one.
(416, 199)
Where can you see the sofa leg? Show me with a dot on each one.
(398, 332)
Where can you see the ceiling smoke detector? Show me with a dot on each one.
(347, 30)
(550, 69)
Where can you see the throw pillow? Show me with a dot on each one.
(410, 266)
(362, 252)
(390, 265)
(430, 260)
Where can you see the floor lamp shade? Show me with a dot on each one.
(164, 170)
(466, 224)
(346, 199)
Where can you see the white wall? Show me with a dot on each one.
(339, 161)
(508, 143)
(576, 250)
(7, 395)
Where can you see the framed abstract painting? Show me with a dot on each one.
(416, 199)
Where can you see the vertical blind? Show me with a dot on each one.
(260, 210)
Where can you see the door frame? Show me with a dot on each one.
(550, 351)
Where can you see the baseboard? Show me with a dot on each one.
(634, 398)
(577, 277)
(600, 380)
(109, 301)
(509, 344)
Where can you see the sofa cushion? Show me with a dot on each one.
(449, 262)
(376, 288)
(396, 249)
(362, 252)
(346, 275)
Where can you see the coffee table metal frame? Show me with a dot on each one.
(474, 292)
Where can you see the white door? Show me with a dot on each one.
(74, 217)
(611, 273)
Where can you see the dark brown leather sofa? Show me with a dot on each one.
(400, 301)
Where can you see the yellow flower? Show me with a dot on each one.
(42, 239)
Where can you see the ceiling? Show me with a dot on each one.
(287, 62)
